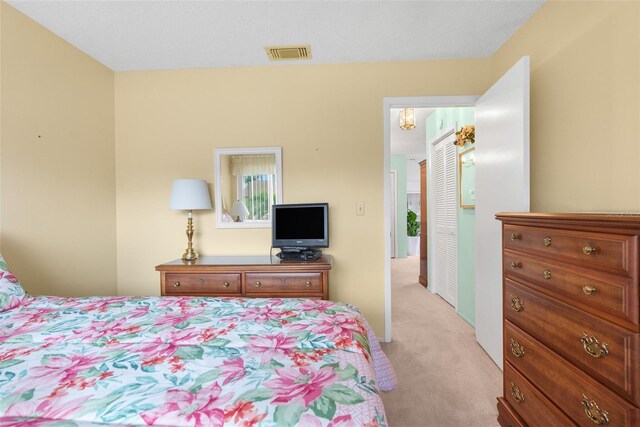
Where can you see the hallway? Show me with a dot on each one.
(445, 378)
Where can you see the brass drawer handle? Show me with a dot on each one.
(517, 395)
(225, 284)
(515, 265)
(593, 411)
(257, 285)
(593, 347)
(589, 250)
(588, 289)
(201, 281)
(547, 241)
(516, 348)
(546, 274)
(307, 284)
(517, 304)
(515, 236)
(176, 285)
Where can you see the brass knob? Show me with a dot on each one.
(517, 395)
(516, 348)
(589, 250)
(176, 285)
(225, 284)
(593, 347)
(515, 236)
(588, 289)
(593, 411)
(547, 241)
(517, 304)
(546, 274)
(515, 265)
(258, 284)
(307, 284)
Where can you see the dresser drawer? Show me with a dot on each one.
(283, 282)
(614, 253)
(569, 388)
(202, 283)
(615, 351)
(609, 296)
(532, 406)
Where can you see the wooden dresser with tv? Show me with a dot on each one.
(571, 320)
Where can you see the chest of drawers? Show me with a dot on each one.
(246, 276)
(571, 320)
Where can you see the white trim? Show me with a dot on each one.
(218, 152)
(393, 232)
(387, 104)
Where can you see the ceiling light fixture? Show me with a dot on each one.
(407, 119)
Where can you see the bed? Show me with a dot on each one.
(186, 361)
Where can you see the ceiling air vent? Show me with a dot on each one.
(287, 53)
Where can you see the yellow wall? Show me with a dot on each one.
(57, 205)
(585, 104)
(328, 119)
(57, 168)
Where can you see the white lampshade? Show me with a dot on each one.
(190, 194)
(239, 209)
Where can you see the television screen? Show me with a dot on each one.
(300, 226)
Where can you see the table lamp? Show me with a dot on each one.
(189, 195)
(239, 210)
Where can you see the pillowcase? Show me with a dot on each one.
(11, 292)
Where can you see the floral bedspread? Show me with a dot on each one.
(186, 361)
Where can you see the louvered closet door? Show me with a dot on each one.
(445, 263)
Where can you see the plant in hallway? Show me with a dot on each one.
(464, 135)
(413, 226)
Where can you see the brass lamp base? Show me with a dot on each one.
(189, 254)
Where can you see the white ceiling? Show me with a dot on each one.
(129, 35)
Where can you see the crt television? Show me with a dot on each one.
(300, 226)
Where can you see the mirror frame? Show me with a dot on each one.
(463, 178)
(218, 153)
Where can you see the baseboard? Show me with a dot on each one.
(469, 321)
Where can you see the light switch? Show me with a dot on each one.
(359, 208)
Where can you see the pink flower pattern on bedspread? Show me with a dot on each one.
(186, 361)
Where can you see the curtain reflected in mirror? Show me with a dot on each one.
(248, 183)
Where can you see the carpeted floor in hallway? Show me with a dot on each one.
(445, 378)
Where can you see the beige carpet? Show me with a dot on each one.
(445, 378)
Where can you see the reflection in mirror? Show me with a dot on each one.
(248, 182)
(467, 168)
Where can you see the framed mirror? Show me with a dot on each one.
(248, 181)
(467, 178)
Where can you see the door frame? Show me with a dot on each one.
(404, 102)
(393, 179)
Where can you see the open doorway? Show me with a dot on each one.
(391, 106)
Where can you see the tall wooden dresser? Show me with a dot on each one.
(571, 320)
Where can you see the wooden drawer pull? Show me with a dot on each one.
(589, 250)
(517, 395)
(517, 304)
(587, 289)
(593, 347)
(515, 265)
(258, 284)
(176, 285)
(225, 284)
(593, 411)
(515, 236)
(516, 348)
(307, 284)
(547, 241)
(546, 274)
